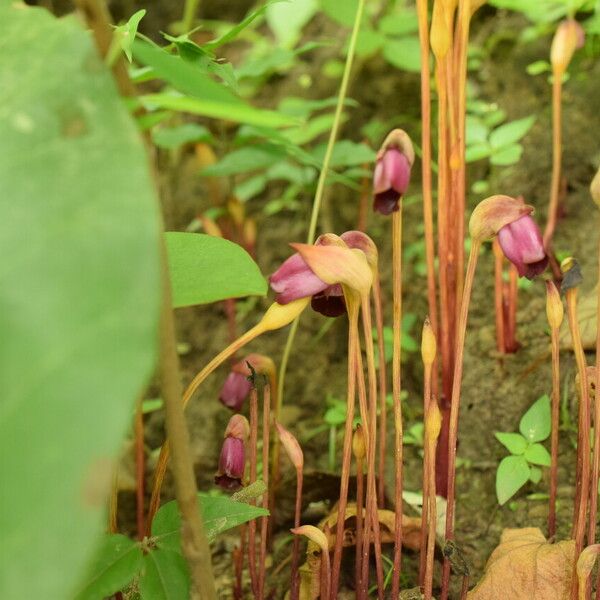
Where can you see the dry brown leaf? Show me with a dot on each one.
(526, 567)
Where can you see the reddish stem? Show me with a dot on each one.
(266, 425)
(295, 588)
(499, 295)
(252, 458)
(359, 526)
(555, 424)
(139, 471)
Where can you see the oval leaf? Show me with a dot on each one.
(165, 576)
(79, 295)
(117, 562)
(205, 269)
(538, 455)
(535, 424)
(512, 475)
(510, 133)
(515, 443)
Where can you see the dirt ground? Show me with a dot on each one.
(497, 389)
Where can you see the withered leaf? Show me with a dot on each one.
(526, 567)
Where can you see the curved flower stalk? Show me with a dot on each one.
(316, 536)
(569, 37)
(489, 218)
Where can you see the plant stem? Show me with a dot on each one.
(396, 391)
(427, 457)
(377, 300)
(431, 516)
(139, 470)
(359, 525)
(556, 159)
(316, 206)
(113, 502)
(193, 539)
(352, 306)
(499, 295)
(265, 502)
(554, 333)
(596, 461)
(295, 587)
(253, 442)
(426, 167)
(275, 452)
(513, 293)
(455, 403)
(190, 11)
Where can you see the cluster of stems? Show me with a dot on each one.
(505, 303)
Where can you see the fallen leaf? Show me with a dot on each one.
(526, 567)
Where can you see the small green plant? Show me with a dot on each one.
(526, 451)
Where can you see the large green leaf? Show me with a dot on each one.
(514, 442)
(165, 576)
(205, 269)
(79, 296)
(536, 423)
(219, 513)
(117, 562)
(204, 96)
(513, 473)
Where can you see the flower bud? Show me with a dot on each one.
(314, 535)
(235, 390)
(521, 242)
(392, 171)
(433, 421)
(441, 36)
(263, 365)
(238, 427)
(232, 462)
(361, 241)
(554, 306)
(291, 446)
(428, 343)
(595, 188)
(493, 213)
(359, 445)
(569, 37)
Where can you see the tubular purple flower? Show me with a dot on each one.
(521, 242)
(294, 280)
(392, 172)
(235, 390)
(232, 463)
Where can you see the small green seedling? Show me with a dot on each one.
(527, 452)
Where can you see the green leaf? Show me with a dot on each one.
(477, 152)
(286, 19)
(404, 53)
(512, 132)
(203, 95)
(399, 22)
(117, 562)
(345, 154)
(173, 137)
(165, 576)
(79, 295)
(538, 455)
(536, 422)
(340, 12)
(476, 131)
(245, 160)
(535, 476)
(512, 475)
(369, 42)
(538, 67)
(515, 443)
(507, 156)
(205, 269)
(125, 34)
(219, 513)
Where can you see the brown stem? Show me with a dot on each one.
(238, 567)
(426, 469)
(325, 575)
(498, 295)
(253, 455)
(352, 306)
(455, 404)
(554, 332)
(556, 159)
(583, 441)
(139, 470)
(265, 501)
(113, 502)
(426, 167)
(464, 588)
(382, 389)
(194, 543)
(396, 391)
(513, 292)
(275, 453)
(359, 525)
(431, 519)
(295, 588)
(371, 499)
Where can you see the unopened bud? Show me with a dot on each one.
(441, 36)
(291, 446)
(568, 37)
(433, 421)
(238, 427)
(314, 535)
(359, 446)
(361, 241)
(493, 213)
(428, 343)
(554, 306)
(263, 365)
(595, 188)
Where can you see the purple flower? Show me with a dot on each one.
(521, 242)
(330, 302)
(232, 463)
(294, 279)
(235, 390)
(390, 180)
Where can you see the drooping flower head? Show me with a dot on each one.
(569, 37)
(392, 171)
(232, 460)
(235, 390)
(518, 234)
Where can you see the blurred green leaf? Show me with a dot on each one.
(535, 424)
(286, 19)
(513, 473)
(535, 476)
(165, 576)
(404, 53)
(512, 132)
(205, 269)
(173, 137)
(125, 34)
(345, 154)
(368, 42)
(538, 67)
(117, 561)
(515, 443)
(507, 156)
(340, 12)
(476, 131)
(245, 160)
(79, 295)
(399, 22)
(151, 405)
